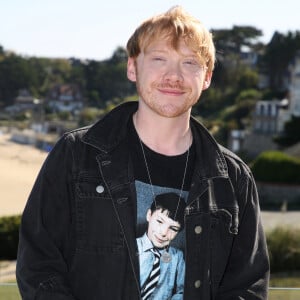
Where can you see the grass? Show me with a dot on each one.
(286, 280)
(284, 295)
(9, 292)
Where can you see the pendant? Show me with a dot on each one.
(166, 257)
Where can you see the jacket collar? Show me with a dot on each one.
(108, 133)
(210, 160)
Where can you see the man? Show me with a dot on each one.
(79, 227)
(165, 219)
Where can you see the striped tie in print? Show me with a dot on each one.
(152, 280)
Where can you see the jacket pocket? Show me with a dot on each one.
(97, 226)
(228, 217)
(223, 204)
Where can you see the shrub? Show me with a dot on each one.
(284, 249)
(283, 244)
(9, 236)
(250, 94)
(276, 166)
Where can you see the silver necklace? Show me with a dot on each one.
(166, 256)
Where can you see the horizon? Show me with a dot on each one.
(53, 29)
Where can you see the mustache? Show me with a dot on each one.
(168, 85)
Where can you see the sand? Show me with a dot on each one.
(19, 166)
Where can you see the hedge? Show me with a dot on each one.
(283, 244)
(277, 167)
(284, 249)
(9, 236)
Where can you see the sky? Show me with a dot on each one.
(93, 29)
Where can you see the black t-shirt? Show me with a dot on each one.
(166, 174)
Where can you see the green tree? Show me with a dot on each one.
(232, 74)
(77, 74)
(248, 79)
(248, 94)
(234, 39)
(279, 52)
(108, 79)
(119, 56)
(15, 74)
(291, 134)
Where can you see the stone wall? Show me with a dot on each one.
(279, 196)
(254, 144)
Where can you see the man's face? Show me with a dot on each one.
(161, 229)
(169, 82)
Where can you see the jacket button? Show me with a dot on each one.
(100, 189)
(198, 229)
(197, 284)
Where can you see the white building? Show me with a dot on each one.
(294, 87)
(269, 117)
(65, 97)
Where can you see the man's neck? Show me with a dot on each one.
(168, 136)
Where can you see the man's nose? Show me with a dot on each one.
(173, 72)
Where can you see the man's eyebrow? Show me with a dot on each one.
(155, 51)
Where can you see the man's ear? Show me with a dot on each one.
(131, 69)
(207, 80)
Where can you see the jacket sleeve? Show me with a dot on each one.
(247, 272)
(45, 230)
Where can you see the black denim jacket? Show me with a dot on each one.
(77, 237)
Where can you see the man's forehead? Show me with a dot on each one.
(164, 44)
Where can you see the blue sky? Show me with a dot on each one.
(93, 29)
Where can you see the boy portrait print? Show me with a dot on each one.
(162, 266)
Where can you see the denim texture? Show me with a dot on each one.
(78, 229)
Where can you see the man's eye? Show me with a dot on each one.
(159, 221)
(190, 62)
(158, 59)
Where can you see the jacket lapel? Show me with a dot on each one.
(114, 168)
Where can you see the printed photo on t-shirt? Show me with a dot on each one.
(162, 266)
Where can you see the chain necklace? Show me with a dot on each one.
(166, 256)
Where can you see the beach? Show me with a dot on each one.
(19, 166)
